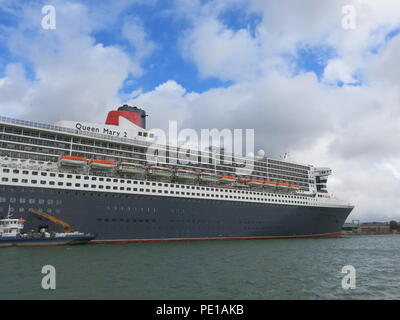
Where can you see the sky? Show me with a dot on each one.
(318, 79)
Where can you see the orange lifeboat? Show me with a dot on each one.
(72, 161)
(283, 185)
(270, 184)
(102, 164)
(255, 182)
(227, 179)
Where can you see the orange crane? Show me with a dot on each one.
(66, 226)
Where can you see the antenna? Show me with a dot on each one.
(288, 157)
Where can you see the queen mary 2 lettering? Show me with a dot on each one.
(99, 179)
(103, 129)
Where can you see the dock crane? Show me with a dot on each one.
(66, 226)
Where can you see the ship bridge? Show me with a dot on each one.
(321, 178)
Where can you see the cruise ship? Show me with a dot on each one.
(98, 178)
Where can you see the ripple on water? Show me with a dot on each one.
(248, 269)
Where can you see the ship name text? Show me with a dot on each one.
(83, 127)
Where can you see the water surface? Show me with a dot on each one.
(237, 269)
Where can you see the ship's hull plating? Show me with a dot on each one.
(126, 217)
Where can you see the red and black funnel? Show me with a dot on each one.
(133, 114)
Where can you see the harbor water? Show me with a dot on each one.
(237, 269)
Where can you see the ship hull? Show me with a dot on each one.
(131, 217)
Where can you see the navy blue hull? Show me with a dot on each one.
(145, 218)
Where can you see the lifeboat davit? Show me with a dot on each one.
(131, 167)
(102, 164)
(72, 161)
(183, 174)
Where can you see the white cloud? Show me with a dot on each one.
(337, 70)
(13, 85)
(168, 101)
(220, 52)
(353, 130)
(134, 32)
(72, 76)
(383, 67)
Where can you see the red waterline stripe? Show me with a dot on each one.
(326, 235)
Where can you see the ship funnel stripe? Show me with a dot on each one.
(113, 117)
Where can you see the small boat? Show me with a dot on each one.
(131, 167)
(10, 235)
(185, 175)
(72, 161)
(102, 164)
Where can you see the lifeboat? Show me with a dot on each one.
(183, 174)
(159, 171)
(72, 161)
(270, 184)
(241, 183)
(255, 183)
(102, 164)
(208, 177)
(227, 179)
(283, 186)
(131, 167)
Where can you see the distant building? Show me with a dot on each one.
(375, 228)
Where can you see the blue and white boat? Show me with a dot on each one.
(11, 235)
